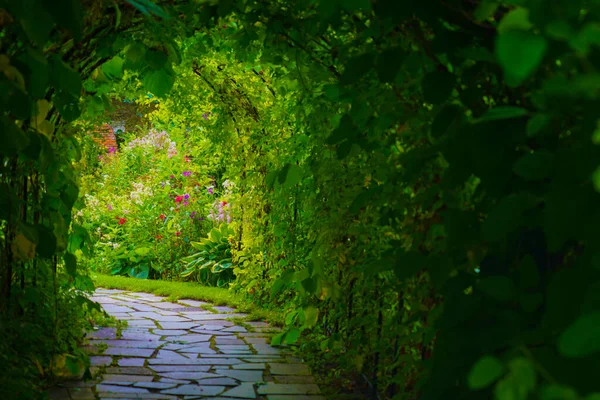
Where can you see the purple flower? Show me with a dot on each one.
(187, 173)
(186, 196)
(210, 190)
(185, 203)
(205, 116)
(192, 214)
(112, 150)
(200, 218)
(109, 207)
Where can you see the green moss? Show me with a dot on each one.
(187, 290)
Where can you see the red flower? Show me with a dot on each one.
(122, 221)
(223, 203)
(178, 199)
(118, 217)
(162, 216)
(177, 233)
(159, 237)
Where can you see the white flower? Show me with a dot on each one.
(115, 245)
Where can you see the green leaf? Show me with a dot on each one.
(506, 216)
(537, 123)
(499, 287)
(356, 5)
(448, 115)
(437, 86)
(486, 9)
(276, 340)
(13, 139)
(68, 14)
(520, 381)
(158, 82)
(345, 130)
(582, 337)
(555, 391)
(485, 371)
(529, 276)
(36, 22)
(67, 105)
(135, 52)
(535, 166)
(311, 314)
(70, 264)
(156, 59)
(503, 112)
(292, 336)
(113, 68)
(519, 54)
(65, 78)
(47, 242)
(517, 19)
(293, 176)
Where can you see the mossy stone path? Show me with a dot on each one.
(183, 351)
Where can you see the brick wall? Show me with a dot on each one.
(105, 136)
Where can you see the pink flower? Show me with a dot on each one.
(178, 199)
(112, 150)
(109, 207)
(177, 233)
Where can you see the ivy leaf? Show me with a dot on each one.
(437, 86)
(158, 82)
(519, 54)
(582, 337)
(70, 264)
(485, 371)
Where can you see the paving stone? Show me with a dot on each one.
(210, 317)
(191, 376)
(224, 309)
(177, 325)
(195, 390)
(171, 355)
(166, 306)
(169, 332)
(110, 308)
(218, 381)
(250, 366)
(235, 329)
(144, 322)
(101, 388)
(128, 351)
(243, 391)
(100, 360)
(192, 303)
(243, 376)
(170, 380)
(155, 385)
(181, 368)
(211, 333)
(127, 378)
(288, 388)
(232, 347)
(265, 349)
(131, 362)
(103, 333)
(128, 371)
(196, 361)
(288, 369)
(144, 307)
(141, 344)
(228, 340)
(189, 338)
(203, 350)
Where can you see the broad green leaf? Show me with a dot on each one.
(311, 314)
(156, 59)
(535, 166)
(113, 68)
(445, 118)
(65, 78)
(582, 337)
(519, 54)
(529, 275)
(67, 105)
(486, 9)
(503, 112)
(537, 123)
(556, 391)
(520, 381)
(485, 371)
(70, 264)
(158, 82)
(357, 68)
(293, 176)
(389, 64)
(517, 19)
(437, 86)
(292, 336)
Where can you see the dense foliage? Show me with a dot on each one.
(415, 182)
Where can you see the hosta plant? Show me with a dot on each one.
(211, 264)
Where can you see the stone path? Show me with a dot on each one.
(182, 351)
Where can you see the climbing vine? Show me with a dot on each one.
(416, 183)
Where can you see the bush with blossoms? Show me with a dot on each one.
(146, 204)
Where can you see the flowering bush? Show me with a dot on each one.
(146, 204)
